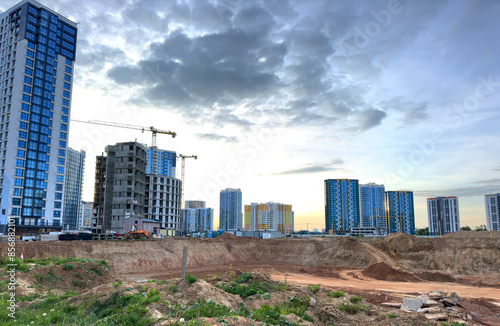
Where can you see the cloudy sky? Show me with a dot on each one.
(276, 96)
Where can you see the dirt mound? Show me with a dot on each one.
(384, 272)
(473, 234)
(491, 280)
(436, 277)
(73, 276)
(227, 236)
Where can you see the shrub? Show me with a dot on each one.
(116, 284)
(336, 294)
(190, 278)
(68, 266)
(355, 299)
(243, 278)
(173, 288)
(350, 308)
(208, 309)
(313, 288)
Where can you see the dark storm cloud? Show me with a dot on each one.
(197, 57)
(315, 168)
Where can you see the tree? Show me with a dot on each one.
(424, 231)
(481, 228)
(465, 228)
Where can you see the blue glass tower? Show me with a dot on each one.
(400, 212)
(341, 205)
(165, 164)
(37, 54)
(372, 205)
(230, 217)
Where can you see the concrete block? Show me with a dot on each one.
(437, 316)
(411, 304)
(391, 304)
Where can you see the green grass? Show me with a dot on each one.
(243, 278)
(313, 288)
(208, 309)
(173, 288)
(275, 315)
(118, 309)
(355, 299)
(20, 265)
(336, 294)
(251, 288)
(392, 315)
(190, 278)
(351, 308)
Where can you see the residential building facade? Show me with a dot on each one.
(120, 185)
(86, 214)
(400, 212)
(230, 215)
(37, 55)
(163, 202)
(341, 205)
(443, 215)
(269, 217)
(197, 220)
(195, 204)
(372, 198)
(73, 186)
(492, 203)
(166, 162)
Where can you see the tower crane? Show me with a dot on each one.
(153, 130)
(183, 168)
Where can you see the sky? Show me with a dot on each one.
(274, 97)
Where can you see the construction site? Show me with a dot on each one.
(395, 280)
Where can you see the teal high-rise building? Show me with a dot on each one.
(372, 197)
(165, 162)
(400, 212)
(341, 205)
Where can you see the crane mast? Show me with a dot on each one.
(183, 168)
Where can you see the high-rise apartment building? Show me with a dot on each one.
(443, 215)
(163, 202)
(195, 204)
(400, 212)
(269, 217)
(120, 185)
(165, 162)
(492, 212)
(86, 214)
(230, 215)
(37, 54)
(341, 205)
(197, 220)
(372, 198)
(73, 186)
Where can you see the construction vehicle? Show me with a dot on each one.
(136, 233)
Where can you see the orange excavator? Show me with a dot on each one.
(136, 233)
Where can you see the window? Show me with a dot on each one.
(15, 211)
(19, 172)
(26, 89)
(64, 127)
(63, 135)
(18, 182)
(23, 125)
(61, 152)
(30, 183)
(59, 187)
(60, 160)
(42, 166)
(28, 71)
(16, 201)
(26, 98)
(29, 62)
(30, 53)
(65, 110)
(68, 70)
(20, 163)
(25, 107)
(64, 118)
(57, 204)
(56, 214)
(60, 169)
(58, 195)
(30, 173)
(66, 94)
(67, 86)
(16, 192)
(62, 144)
(20, 153)
(21, 143)
(65, 102)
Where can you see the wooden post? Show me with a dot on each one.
(184, 261)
